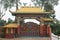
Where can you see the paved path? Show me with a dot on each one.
(53, 37)
(34, 38)
(28, 38)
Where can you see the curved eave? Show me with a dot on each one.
(14, 13)
(47, 19)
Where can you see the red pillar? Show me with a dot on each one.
(48, 30)
(6, 32)
(13, 32)
(42, 30)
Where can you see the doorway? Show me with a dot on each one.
(30, 28)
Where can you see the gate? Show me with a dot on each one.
(29, 29)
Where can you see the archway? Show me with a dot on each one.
(32, 20)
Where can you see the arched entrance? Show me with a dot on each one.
(30, 27)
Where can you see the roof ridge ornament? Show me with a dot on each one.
(30, 5)
(24, 4)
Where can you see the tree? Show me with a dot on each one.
(7, 4)
(55, 27)
(2, 23)
(1, 15)
(43, 2)
(48, 7)
(10, 3)
(1, 11)
(10, 20)
(53, 2)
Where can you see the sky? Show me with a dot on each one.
(57, 11)
(9, 15)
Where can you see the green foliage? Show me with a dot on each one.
(39, 1)
(55, 27)
(53, 2)
(8, 3)
(47, 4)
(57, 33)
(10, 20)
(21, 22)
(2, 23)
(48, 7)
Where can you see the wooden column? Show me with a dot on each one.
(6, 30)
(18, 22)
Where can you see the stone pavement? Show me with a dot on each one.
(28, 38)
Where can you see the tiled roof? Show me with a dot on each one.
(11, 25)
(30, 9)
